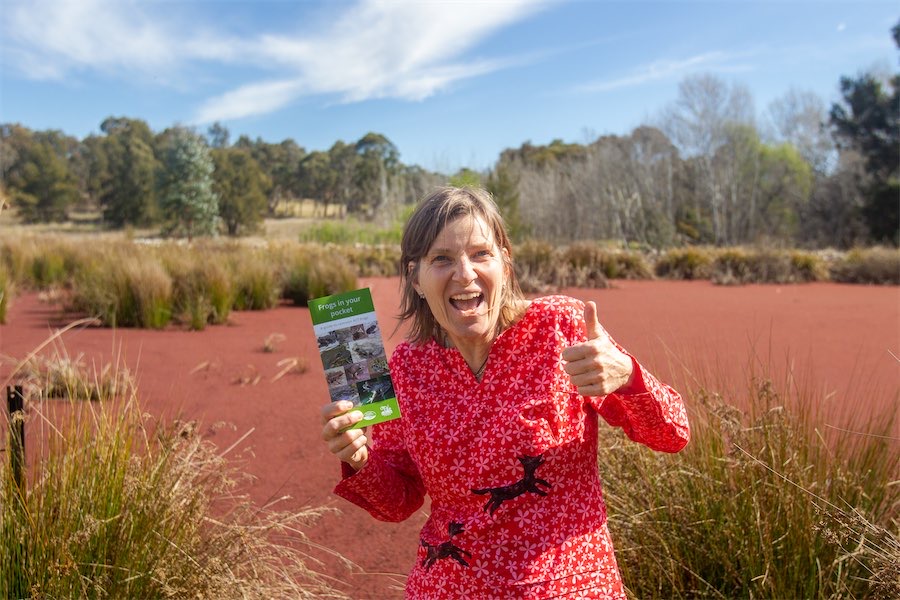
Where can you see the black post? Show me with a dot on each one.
(15, 401)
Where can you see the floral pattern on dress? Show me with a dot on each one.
(510, 463)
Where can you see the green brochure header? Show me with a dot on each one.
(341, 306)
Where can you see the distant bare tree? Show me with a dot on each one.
(700, 121)
(801, 119)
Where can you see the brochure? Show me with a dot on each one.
(353, 355)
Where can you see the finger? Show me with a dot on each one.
(333, 409)
(346, 447)
(582, 367)
(336, 426)
(591, 322)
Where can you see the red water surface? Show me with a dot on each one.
(840, 342)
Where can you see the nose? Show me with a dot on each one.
(465, 270)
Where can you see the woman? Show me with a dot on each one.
(500, 400)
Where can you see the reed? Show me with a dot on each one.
(765, 502)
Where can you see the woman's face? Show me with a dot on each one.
(462, 278)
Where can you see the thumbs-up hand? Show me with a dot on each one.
(597, 367)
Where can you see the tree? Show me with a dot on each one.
(190, 207)
(217, 135)
(503, 186)
(128, 194)
(318, 180)
(466, 177)
(238, 181)
(376, 163)
(281, 163)
(801, 119)
(868, 122)
(40, 185)
(702, 120)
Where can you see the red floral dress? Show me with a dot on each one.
(510, 463)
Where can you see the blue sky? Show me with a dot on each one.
(451, 83)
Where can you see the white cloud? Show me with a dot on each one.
(248, 100)
(667, 69)
(403, 49)
(377, 49)
(52, 37)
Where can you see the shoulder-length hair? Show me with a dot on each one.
(433, 213)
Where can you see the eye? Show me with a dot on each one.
(440, 259)
(484, 254)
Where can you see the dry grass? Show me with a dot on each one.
(120, 505)
(765, 502)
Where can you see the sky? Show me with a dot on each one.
(451, 83)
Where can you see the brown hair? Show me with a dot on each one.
(433, 213)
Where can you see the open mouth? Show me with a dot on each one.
(467, 302)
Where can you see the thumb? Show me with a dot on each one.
(591, 322)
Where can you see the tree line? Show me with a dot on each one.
(705, 171)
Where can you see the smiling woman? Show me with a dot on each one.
(500, 399)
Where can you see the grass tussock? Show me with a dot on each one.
(124, 289)
(741, 266)
(685, 263)
(152, 284)
(869, 265)
(201, 287)
(542, 267)
(762, 504)
(121, 506)
(377, 260)
(6, 292)
(62, 376)
(255, 284)
(312, 271)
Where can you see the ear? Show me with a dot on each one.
(412, 273)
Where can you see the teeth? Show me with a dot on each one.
(462, 297)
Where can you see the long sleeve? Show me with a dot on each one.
(389, 487)
(650, 412)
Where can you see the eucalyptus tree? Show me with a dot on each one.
(376, 164)
(128, 195)
(240, 184)
(190, 206)
(318, 180)
(36, 174)
(280, 162)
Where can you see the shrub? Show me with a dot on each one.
(122, 507)
(685, 263)
(748, 509)
(872, 265)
